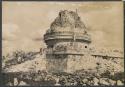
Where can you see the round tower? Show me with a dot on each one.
(66, 39)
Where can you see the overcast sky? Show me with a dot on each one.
(24, 23)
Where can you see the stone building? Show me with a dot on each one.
(68, 44)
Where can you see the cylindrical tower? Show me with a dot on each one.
(67, 38)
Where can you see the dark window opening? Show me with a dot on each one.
(85, 46)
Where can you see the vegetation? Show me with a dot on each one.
(17, 57)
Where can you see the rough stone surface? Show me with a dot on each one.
(70, 56)
(67, 19)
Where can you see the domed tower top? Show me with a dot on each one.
(67, 27)
(67, 19)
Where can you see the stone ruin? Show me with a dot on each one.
(68, 45)
(68, 50)
(67, 19)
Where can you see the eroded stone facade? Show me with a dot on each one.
(68, 47)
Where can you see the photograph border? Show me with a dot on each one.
(1, 75)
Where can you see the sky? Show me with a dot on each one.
(24, 23)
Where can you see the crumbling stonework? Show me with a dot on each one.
(68, 47)
(67, 19)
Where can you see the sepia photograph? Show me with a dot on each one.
(51, 43)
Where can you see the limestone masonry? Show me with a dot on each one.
(68, 45)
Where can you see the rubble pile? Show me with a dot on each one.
(79, 78)
(101, 72)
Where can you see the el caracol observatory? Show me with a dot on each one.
(68, 43)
